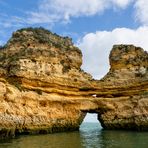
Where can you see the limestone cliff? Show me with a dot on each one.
(127, 83)
(44, 90)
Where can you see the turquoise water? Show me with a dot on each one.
(90, 135)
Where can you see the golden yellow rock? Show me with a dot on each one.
(44, 90)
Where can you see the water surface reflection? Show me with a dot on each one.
(90, 136)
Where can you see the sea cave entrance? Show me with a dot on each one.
(91, 121)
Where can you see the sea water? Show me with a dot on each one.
(90, 135)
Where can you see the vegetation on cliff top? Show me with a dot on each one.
(35, 42)
(41, 36)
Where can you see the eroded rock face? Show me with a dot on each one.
(44, 90)
(128, 80)
(40, 79)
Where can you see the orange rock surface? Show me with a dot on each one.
(43, 88)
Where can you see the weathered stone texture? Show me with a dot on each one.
(44, 90)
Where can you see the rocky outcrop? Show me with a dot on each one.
(128, 92)
(44, 90)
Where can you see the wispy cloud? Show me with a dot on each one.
(142, 11)
(50, 11)
(8, 24)
(57, 11)
(7, 21)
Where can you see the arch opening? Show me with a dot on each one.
(91, 119)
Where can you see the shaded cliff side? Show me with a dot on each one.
(44, 90)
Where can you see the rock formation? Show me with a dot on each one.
(127, 83)
(44, 90)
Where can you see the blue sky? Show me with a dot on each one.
(75, 19)
(94, 25)
(16, 14)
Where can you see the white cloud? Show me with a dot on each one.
(54, 11)
(51, 11)
(121, 3)
(62, 10)
(96, 47)
(142, 11)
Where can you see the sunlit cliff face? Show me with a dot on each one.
(44, 90)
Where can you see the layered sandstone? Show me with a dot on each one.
(44, 90)
(128, 81)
